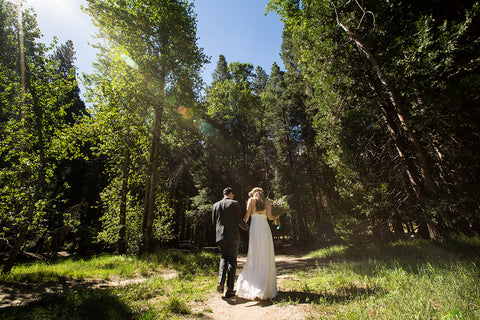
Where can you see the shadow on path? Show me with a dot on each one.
(341, 295)
(15, 294)
(84, 303)
(300, 297)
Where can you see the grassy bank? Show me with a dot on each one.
(402, 280)
(155, 297)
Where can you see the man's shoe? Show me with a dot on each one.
(220, 288)
(229, 294)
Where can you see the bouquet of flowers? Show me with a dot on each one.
(279, 207)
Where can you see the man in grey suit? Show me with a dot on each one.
(227, 218)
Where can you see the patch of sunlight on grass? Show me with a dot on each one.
(328, 252)
(113, 266)
(187, 263)
(100, 267)
(154, 298)
(403, 286)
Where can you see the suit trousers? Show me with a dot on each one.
(228, 263)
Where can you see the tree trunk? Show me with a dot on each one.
(428, 188)
(394, 134)
(434, 233)
(152, 184)
(123, 204)
(7, 267)
(425, 173)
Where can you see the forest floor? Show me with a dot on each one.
(24, 293)
(399, 280)
(212, 306)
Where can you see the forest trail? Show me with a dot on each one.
(23, 293)
(215, 306)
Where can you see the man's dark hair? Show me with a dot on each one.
(227, 191)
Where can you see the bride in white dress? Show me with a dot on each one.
(258, 278)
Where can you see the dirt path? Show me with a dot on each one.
(216, 307)
(240, 309)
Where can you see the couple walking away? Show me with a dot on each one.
(258, 278)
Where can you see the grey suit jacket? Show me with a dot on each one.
(227, 217)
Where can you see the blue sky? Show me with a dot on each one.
(237, 29)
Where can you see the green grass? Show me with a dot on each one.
(99, 267)
(155, 298)
(110, 267)
(402, 280)
(329, 252)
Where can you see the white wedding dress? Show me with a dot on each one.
(258, 278)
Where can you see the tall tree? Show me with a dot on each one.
(235, 112)
(370, 78)
(221, 72)
(120, 134)
(32, 111)
(64, 54)
(159, 38)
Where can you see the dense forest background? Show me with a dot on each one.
(371, 133)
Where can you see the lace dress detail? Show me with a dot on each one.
(258, 278)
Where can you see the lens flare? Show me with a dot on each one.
(182, 110)
(188, 113)
(129, 61)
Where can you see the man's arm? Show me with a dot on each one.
(214, 216)
(240, 222)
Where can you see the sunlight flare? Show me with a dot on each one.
(129, 61)
(62, 11)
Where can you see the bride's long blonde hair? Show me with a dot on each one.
(257, 194)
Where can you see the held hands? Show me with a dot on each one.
(244, 226)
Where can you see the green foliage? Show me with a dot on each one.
(36, 117)
(370, 132)
(110, 231)
(144, 75)
(368, 81)
(234, 141)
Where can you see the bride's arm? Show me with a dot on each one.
(250, 205)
